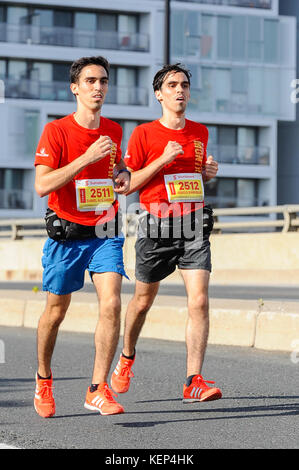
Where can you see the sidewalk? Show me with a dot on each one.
(269, 325)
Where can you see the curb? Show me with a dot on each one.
(248, 327)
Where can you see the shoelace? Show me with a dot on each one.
(109, 394)
(126, 370)
(45, 391)
(200, 379)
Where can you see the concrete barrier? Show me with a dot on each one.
(265, 258)
(236, 258)
(272, 326)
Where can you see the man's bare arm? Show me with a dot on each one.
(48, 179)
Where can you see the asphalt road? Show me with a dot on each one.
(259, 408)
(244, 292)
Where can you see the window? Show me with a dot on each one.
(31, 133)
(41, 17)
(223, 42)
(107, 22)
(232, 192)
(63, 18)
(255, 39)
(207, 40)
(255, 90)
(271, 41)
(2, 69)
(17, 69)
(238, 38)
(222, 89)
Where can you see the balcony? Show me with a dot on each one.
(60, 91)
(16, 199)
(240, 155)
(265, 4)
(69, 37)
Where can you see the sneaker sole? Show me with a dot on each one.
(94, 408)
(215, 396)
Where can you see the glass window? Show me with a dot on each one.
(238, 37)
(85, 21)
(42, 17)
(17, 15)
(192, 38)
(17, 69)
(222, 89)
(255, 90)
(177, 33)
(41, 72)
(31, 131)
(271, 85)
(107, 22)
(63, 18)
(226, 193)
(2, 15)
(271, 41)
(239, 80)
(254, 39)
(223, 41)
(246, 194)
(127, 24)
(207, 40)
(2, 68)
(61, 72)
(205, 102)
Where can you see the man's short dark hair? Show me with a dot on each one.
(161, 74)
(79, 64)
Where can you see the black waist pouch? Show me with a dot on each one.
(60, 229)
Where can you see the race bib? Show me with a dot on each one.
(94, 194)
(184, 187)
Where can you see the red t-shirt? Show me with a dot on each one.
(64, 140)
(147, 143)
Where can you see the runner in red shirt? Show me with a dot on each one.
(79, 166)
(169, 166)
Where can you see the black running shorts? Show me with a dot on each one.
(156, 258)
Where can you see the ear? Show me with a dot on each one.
(74, 88)
(158, 95)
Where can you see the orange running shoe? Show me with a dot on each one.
(102, 400)
(198, 390)
(44, 403)
(120, 379)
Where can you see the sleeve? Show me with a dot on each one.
(49, 148)
(136, 150)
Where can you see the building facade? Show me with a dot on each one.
(241, 54)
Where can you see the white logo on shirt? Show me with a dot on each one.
(42, 153)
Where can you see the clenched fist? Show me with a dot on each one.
(99, 149)
(210, 169)
(171, 151)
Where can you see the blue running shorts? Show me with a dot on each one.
(65, 262)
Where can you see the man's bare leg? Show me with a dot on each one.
(197, 329)
(108, 286)
(47, 330)
(138, 307)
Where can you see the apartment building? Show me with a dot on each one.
(241, 54)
